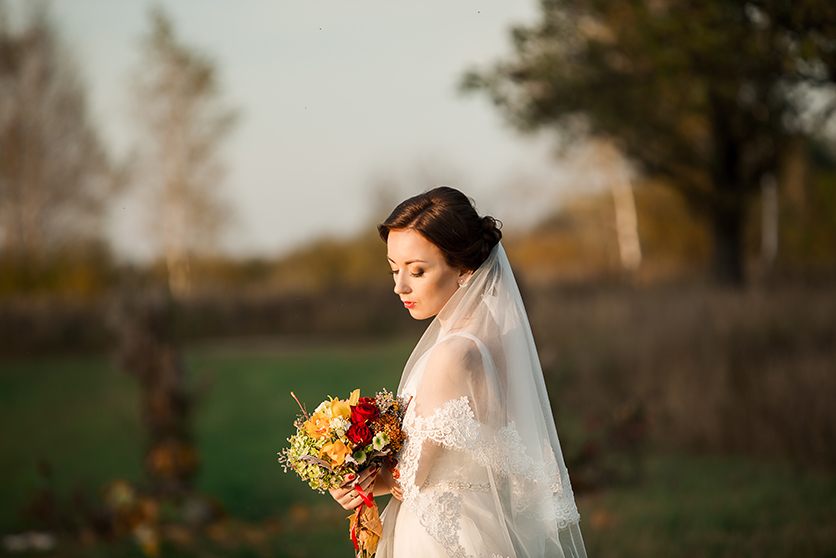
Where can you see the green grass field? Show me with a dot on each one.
(80, 415)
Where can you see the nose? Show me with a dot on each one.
(401, 286)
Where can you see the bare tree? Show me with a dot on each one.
(54, 174)
(598, 163)
(184, 121)
(148, 352)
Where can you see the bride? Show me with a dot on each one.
(481, 471)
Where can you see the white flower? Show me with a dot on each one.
(380, 440)
(324, 409)
(339, 425)
(359, 457)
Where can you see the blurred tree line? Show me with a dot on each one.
(702, 157)
(58, 179)
(55, 175)
(744, 146)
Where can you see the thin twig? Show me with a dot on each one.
(300, 406)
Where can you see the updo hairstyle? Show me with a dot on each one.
(447, 218)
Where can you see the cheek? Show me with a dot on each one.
(444, 289)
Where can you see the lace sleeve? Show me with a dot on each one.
(454, 369)
(454, 372)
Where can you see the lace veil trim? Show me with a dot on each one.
(455, 428)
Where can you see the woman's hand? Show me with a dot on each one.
(387, 484)
(347, 495)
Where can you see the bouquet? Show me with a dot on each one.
(344, 436)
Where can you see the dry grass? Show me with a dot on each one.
(733, 371)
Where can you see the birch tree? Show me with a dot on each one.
(54, 173)
(184, 121)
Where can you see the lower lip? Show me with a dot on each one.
(409, 304)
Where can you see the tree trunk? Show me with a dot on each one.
(728, 202)
(727, 237)
(770, 221)
(147, 351)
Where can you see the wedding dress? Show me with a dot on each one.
(481, 469)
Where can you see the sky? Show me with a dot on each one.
(334, 97)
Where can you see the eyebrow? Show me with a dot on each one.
(407, 263)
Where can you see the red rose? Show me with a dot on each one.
(360, 434)
(364, 410)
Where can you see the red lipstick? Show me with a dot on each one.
(409, 304)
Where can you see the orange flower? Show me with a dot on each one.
(336, 452)
(317, 426)
(340, 408)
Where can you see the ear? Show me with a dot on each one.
(464, 277)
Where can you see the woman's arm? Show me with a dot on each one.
(454, 370)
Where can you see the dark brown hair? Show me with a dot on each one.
(447, 218)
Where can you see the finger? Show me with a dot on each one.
(372, 471)
(348, 501)
(341, 492)
(351, 503)
(349, 479)
(369, 479)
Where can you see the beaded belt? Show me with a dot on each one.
(460, 486)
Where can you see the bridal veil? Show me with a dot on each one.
(482, 471)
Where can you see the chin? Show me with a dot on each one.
(417, 315)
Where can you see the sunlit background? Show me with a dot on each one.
(188, 199)
(333, 100)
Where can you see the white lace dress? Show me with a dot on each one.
(459, 518)
(459, 508)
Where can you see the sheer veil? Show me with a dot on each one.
(480, 422)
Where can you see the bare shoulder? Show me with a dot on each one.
(454, 369)
(455, 355)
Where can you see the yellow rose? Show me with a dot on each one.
(340, 408)
(355, 398)
(336, 452)
(317, 426)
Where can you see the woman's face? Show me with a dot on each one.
(423, 279)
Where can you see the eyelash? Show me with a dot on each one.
(419, 274)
